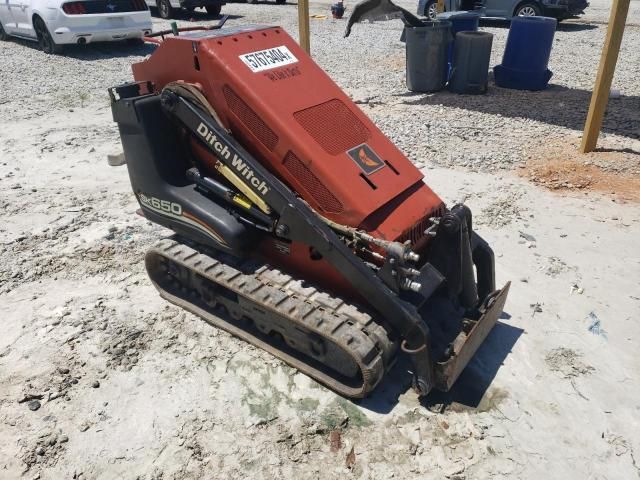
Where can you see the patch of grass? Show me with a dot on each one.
(356, 417)
(306, 405)
(235, 364)
(265, 377)
(263, 405)
(331, 418)
(342, 412)
(67, 100)
(249, 464)
(263, 402)
(411, 416)
(83, 97)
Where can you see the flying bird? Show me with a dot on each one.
(381, 10)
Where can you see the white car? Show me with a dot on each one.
(54, 23)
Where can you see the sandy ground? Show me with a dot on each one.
(101, 379)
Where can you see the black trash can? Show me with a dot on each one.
(470, 72)
(426, 53)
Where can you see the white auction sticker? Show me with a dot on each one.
(268, 59)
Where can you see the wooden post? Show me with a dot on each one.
(303, 25)
(608, 59)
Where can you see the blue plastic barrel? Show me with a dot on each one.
(462, 21)
(526, 55)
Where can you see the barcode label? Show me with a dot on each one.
(268, 59)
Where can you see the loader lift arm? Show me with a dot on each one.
(297, 222)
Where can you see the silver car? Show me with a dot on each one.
(507, 9)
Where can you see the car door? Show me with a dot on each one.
(6, 17)
(498, 8)
(21, 10)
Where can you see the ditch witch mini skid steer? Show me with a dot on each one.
(299, 227)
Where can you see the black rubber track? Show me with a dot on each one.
(326, 338)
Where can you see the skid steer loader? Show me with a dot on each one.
(299, 227)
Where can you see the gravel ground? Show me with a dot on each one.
(100, 378)
(497, 131)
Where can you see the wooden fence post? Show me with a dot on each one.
(608, 59)
(303, 25)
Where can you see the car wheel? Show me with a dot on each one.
(280, 2)
(44, 37)
(252, 1)
(213, 10)
(431, 9)
(528, 10)
(164, 9)
(3, 34)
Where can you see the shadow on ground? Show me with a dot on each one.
(194, 15)
(103, 50)
(557, 105)
(98, 50)
(468, 391)
(474, 381)
(630, 151)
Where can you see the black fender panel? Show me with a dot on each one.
(157, 162)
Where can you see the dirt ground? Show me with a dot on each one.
(560, 166)
(102, 379)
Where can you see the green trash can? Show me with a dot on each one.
(426, 53)
(470, 72)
